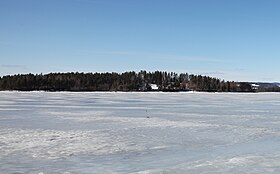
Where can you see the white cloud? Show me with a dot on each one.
(13, 66)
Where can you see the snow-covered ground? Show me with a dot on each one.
(46, 133)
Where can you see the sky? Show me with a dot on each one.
(229, 39)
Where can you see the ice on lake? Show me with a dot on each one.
(141, 133)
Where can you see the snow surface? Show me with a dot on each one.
(141, 133)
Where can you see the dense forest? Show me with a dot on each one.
(127, 81)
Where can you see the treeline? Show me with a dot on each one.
(127, 81)
(270, 89)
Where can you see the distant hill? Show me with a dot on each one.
(265, 87)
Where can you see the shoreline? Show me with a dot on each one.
(185, 92)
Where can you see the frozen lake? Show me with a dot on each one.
(141, 133)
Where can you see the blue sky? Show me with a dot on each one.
(230, 39)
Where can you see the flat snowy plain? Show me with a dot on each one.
(141, 133)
